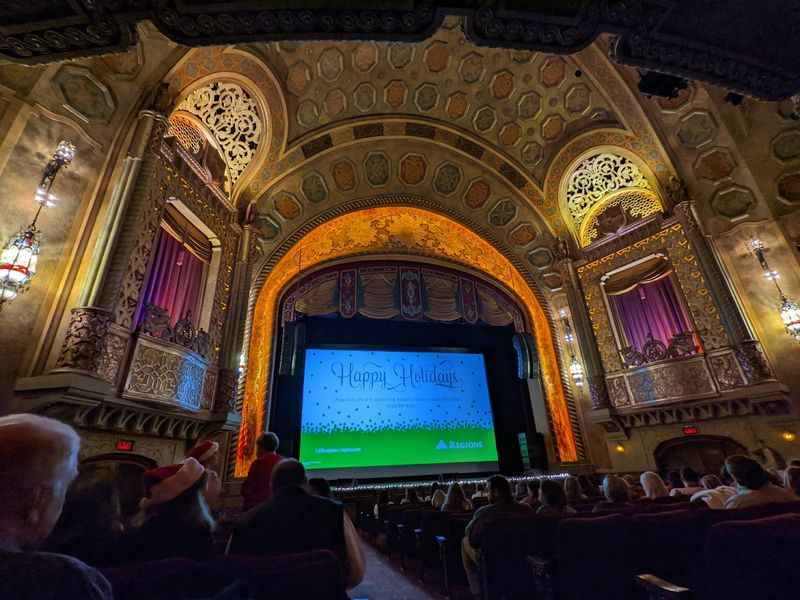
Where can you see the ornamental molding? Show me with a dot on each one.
(232, 117)
(598, 176)
(686, 39)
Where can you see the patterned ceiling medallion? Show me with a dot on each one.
(231, 116)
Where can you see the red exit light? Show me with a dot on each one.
(125, 445)
(690, 430)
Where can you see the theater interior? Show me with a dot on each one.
(540, 239)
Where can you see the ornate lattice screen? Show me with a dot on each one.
(602, 181)
(231, 116)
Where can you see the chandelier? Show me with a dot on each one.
(788, 308)
(575, 367)
(19, 258)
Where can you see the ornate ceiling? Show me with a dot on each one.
(751, 47)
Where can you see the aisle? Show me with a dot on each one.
(383, 582)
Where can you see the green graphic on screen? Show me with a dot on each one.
(375, 408)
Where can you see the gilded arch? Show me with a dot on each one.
(401, 230)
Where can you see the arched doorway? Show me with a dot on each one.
(704, 453)
(123, 472)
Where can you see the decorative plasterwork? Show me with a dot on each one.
(671, 241)
(694, 40)
(598, 176)
(395, 230)
(232, 117)
(187, 134)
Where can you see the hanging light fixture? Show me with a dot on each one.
(575, 367)
(576, 371)
(790, 313)
(789, 309)
(19, 258)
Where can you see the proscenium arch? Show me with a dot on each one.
(394, 229)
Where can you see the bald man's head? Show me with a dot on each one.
(38, 461)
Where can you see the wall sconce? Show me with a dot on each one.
(788, 308)
(789, 436)
(620, 448)
(19, 258)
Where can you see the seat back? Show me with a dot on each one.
(592, 558)
(669, 544)
(754, 559)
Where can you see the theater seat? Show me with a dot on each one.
(669, 544)
(316, 574)
(592, 559)
(754, 559)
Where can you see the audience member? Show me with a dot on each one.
(410, 497)
(501, 504)
(438, 498)
(174, 520)
(521, 491)
(572, 490)
(792, 480)
(256, 488)
(295, 521)
(38, 461)
(91, 523)
(319, 486)
(691, 483)
(714, 493)
(588, 488)
(480, 491)
(207, 454)
(616, 493)
(653, 486)
(434, 488)
(455, 500)
(674, 480)
(634, 489)
(754, 488)
(383, 500)
(532, 498)
(553, 499)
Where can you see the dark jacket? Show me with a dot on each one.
(292, 521)
(486, 515)
(162, 537)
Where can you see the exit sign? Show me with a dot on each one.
(125, 445)
(690, 430)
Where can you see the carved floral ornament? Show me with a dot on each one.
(601, 181)
(232, 118)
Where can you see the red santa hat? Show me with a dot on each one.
(203, 451)
(167, 483)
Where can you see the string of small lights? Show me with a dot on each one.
(398, 485)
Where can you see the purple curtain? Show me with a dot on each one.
(176, 280)
(650, 308)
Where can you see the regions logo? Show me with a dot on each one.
(441, 445)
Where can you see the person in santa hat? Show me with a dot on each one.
(207, 454)
(174, 520)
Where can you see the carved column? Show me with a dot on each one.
(595, 375)
(748, 350)
(84, 342)
(123, 190)
(233, 334)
